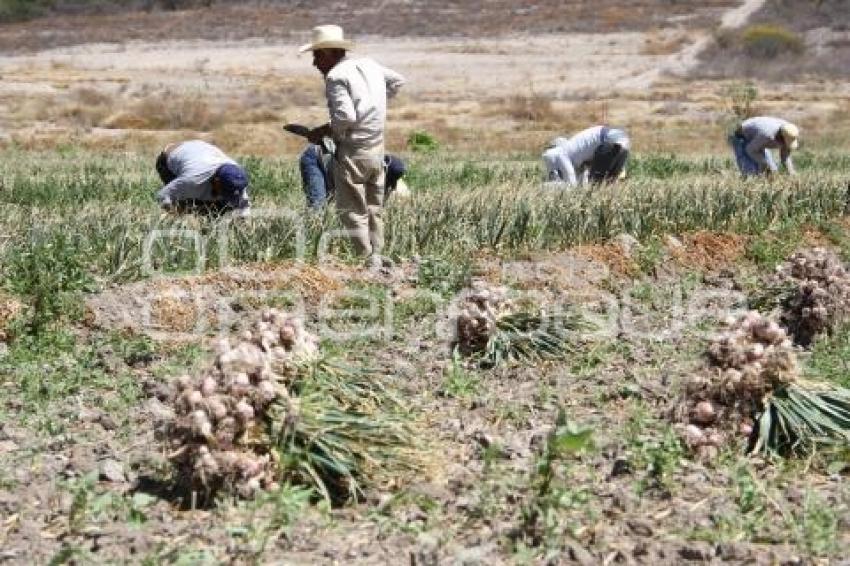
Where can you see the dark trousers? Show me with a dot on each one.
(314, 177)
(395, 170)
(608, 162)
(317, 183)
(165, 174)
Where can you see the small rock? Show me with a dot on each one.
(474, 555)
(7, 446)
(673, 242)
(427, 553)
(640, 528)
(432, 491)
(627, 243)
(112, 471)
(640, 549)
(88, 415)
(621, 467)
(160, 412)
(694, 552)
(732, 551)
(107, 422)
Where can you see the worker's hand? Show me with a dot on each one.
(316, 134)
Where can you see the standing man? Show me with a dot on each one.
(593, 155)
(755, 137)
(357, 91)
(199, 177)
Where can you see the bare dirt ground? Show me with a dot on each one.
(465, 507)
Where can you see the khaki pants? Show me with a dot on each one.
(359, 182)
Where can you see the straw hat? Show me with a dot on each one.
(790, 133)
(327, 37)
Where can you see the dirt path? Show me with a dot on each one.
(737, 17)
(681, 63)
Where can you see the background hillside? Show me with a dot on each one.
(784, 40)
(56, 23)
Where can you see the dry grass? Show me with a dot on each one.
(710, 250)
(168, 111)
(610, 255)
(174, 314)
(530, 108)
(661, 43)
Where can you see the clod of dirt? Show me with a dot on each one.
(112, 471)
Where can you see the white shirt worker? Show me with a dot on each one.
(569, 160)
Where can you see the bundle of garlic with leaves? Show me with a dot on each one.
(476, 322)
(753, 388)
(820, 296)
(217, 436)
(492, 329)
(269, 410)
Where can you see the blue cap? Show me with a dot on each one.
(233, 181)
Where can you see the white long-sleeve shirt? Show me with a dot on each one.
(193, 163)
(357, 91)
(760, 133)
(571, 157)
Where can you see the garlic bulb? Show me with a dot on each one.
(212, 436)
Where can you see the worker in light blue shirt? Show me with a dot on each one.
(199, 177)
(755, 137)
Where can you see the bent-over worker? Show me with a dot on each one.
(593, 155)
(317, 182)
(198, 176)
(755, 137)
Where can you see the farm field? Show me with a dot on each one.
(108, 327)
(400, 443)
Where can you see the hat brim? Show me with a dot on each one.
(345, 44)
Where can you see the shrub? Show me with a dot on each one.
(420, 140)
(18, 10)
(768, 41)
(534, 108)
(741, 98)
